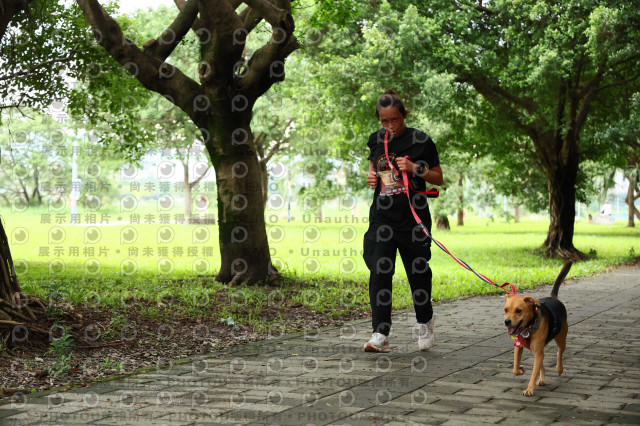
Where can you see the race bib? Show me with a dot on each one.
(390, 183)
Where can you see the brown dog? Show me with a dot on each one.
(534, 323)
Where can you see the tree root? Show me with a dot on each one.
(566, 255)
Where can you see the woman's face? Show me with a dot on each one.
(392, 121)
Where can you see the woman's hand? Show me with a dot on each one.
(406, 165)
(372, 179)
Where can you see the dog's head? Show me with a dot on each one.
(518, 311)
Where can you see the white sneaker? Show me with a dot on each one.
(378, 343)
(426, 336)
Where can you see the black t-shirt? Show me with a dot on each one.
(390, 205)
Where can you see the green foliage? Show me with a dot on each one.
(340, 12)
(526, 57)
(56, 293)
(108, 364)
(60, 347)
(116, 324)
(38, 54)
(632, 254)
(61, 365)
(111, 102)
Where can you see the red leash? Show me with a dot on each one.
(431, 192)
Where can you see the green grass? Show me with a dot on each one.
(325, 272)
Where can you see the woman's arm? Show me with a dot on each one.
(372, 177)
(433, 176)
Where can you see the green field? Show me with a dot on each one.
(119, 264)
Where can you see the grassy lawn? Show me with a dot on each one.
(171, 265)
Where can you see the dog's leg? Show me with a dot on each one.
(538, 357)
(541, 381)
(517, 357)
(561, 341)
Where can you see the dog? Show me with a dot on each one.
(534, 323)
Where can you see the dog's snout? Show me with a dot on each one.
(507, 322)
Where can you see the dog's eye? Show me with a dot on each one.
(506, 310)
(518, 311)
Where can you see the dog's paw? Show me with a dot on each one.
(527, 392)
(559, 369)
(541, 382)
(518, 371)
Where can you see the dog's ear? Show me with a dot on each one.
(508, 296)
(529, 300)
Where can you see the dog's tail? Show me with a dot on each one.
(561, 276)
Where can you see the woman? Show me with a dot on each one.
(392, 226)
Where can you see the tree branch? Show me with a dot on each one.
(501, 99)
(266, 65)
(619, 82)
(35, 67)
(172, 36)
(223, 17)
(220, 54)
(278, 147)
(198, 24)
(154, 74)
(495, 91)
(200, 178)
(251, 18)
(275, 149)
(272, 14)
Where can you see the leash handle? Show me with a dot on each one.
(407, 185)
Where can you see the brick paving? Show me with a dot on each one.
(323, 377)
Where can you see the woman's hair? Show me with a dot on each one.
(390, 99)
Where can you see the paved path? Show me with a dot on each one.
(324, 377)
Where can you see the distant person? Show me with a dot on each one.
(606, 208)
(392, 227)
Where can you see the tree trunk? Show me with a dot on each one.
(562, 173)
(442, 222)
(630, 200)
(188, 200)
(264, 181)
(244, 247)
(23, 319)
(461, 198)
(9, 9)
(36, 187)
(516, 213)
(9, 286)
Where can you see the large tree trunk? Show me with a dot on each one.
(264, 181)
(516, 213)
(20, 316)
(9, 287)
(461, 198)
(442, 222)
(562, 173)
(244, 247)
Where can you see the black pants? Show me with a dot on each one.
(381, 243)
